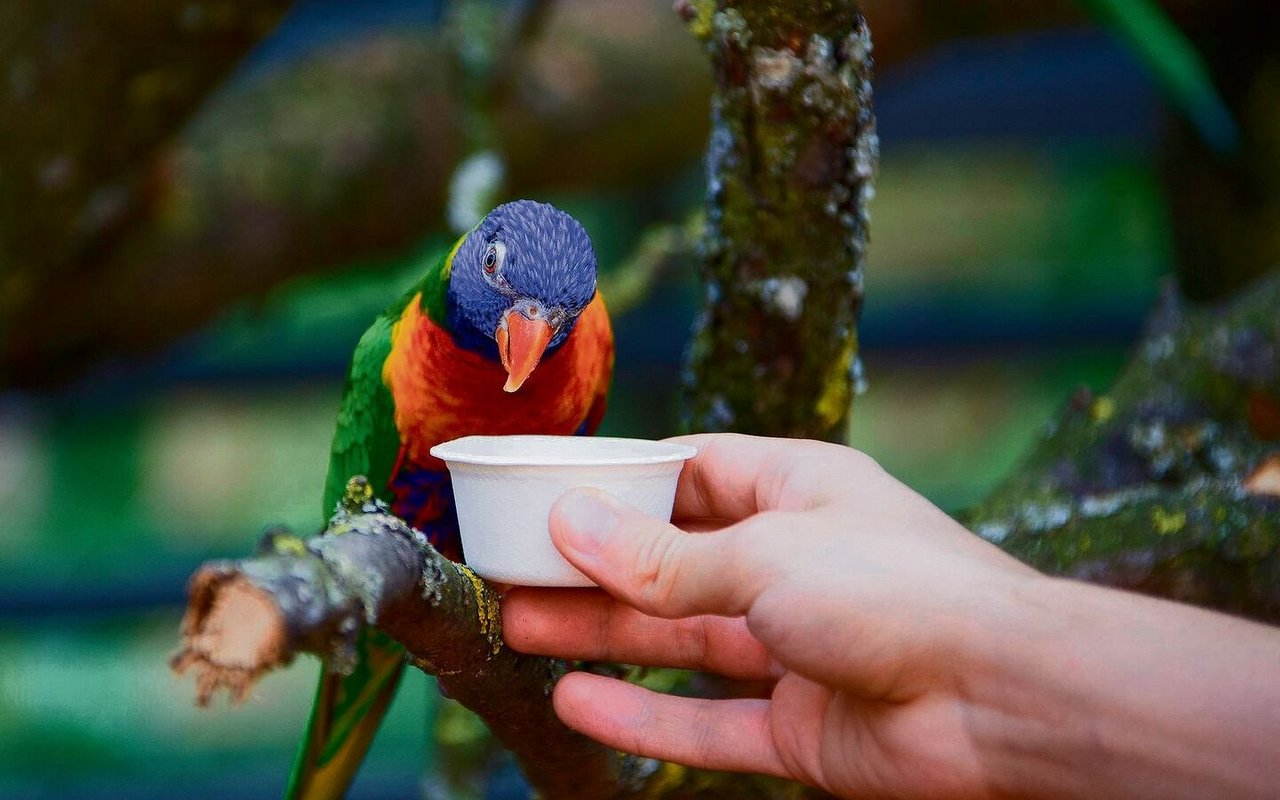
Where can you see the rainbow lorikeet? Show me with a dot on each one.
(455, 357)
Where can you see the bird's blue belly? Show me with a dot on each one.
(424, 499)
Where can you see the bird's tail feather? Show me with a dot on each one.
(344, 719)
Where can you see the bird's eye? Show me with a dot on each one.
(494, 255)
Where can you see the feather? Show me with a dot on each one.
(348, 709)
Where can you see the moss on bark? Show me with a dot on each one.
(790, 166)
(1149, 486)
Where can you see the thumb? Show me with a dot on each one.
(646, 562)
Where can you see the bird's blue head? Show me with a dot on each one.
(518, 283)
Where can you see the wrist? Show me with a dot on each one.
(1033, 730)
(1089, 691)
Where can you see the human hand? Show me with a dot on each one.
(866, 605)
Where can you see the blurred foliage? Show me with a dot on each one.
(93, 91)
(1227, 210)
(1177, 66)
(340, 154)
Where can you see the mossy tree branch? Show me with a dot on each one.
(251, 616)
(1169, 483)
(247, 617)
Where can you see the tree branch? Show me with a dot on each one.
(248, 617)
(1170, 483)
(95, 92)
(661, 249)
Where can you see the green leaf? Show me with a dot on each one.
(1175, 64)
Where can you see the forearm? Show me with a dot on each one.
(1088, 692)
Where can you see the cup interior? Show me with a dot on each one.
(533, 451)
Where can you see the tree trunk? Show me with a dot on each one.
(93, 91)
(790, 165)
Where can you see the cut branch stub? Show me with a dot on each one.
(248, 617)
(232, 634)
(790, 166)
(245, 618)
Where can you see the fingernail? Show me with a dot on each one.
(589, 518)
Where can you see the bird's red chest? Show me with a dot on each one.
(442, 391)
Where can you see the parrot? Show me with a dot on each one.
(455, 356)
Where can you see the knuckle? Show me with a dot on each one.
(641, 737)
(691, 641)
(656, 570)
(860, 463)
(825, 473)
(604, 632)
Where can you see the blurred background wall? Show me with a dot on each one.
(202, 204)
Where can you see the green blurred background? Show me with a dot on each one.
(182, 396)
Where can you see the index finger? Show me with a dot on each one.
(735, 476)
(592, 626)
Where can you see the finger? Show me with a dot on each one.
(710, 734)
(657, 568)
(734, 476)
(592, 626)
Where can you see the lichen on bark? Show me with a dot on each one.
(1166, 483)
(790, 170)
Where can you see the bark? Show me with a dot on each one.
(790, 164)
(248, 617)
(1169, 483)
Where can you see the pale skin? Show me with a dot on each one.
(908, 657)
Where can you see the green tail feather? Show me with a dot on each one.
(348, 710)
(344, 718)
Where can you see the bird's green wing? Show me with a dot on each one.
(365, 441)
(348, 709)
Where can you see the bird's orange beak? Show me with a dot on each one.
(521, 343)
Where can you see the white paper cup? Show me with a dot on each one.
(504, 487)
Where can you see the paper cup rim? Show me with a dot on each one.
(562, 451)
